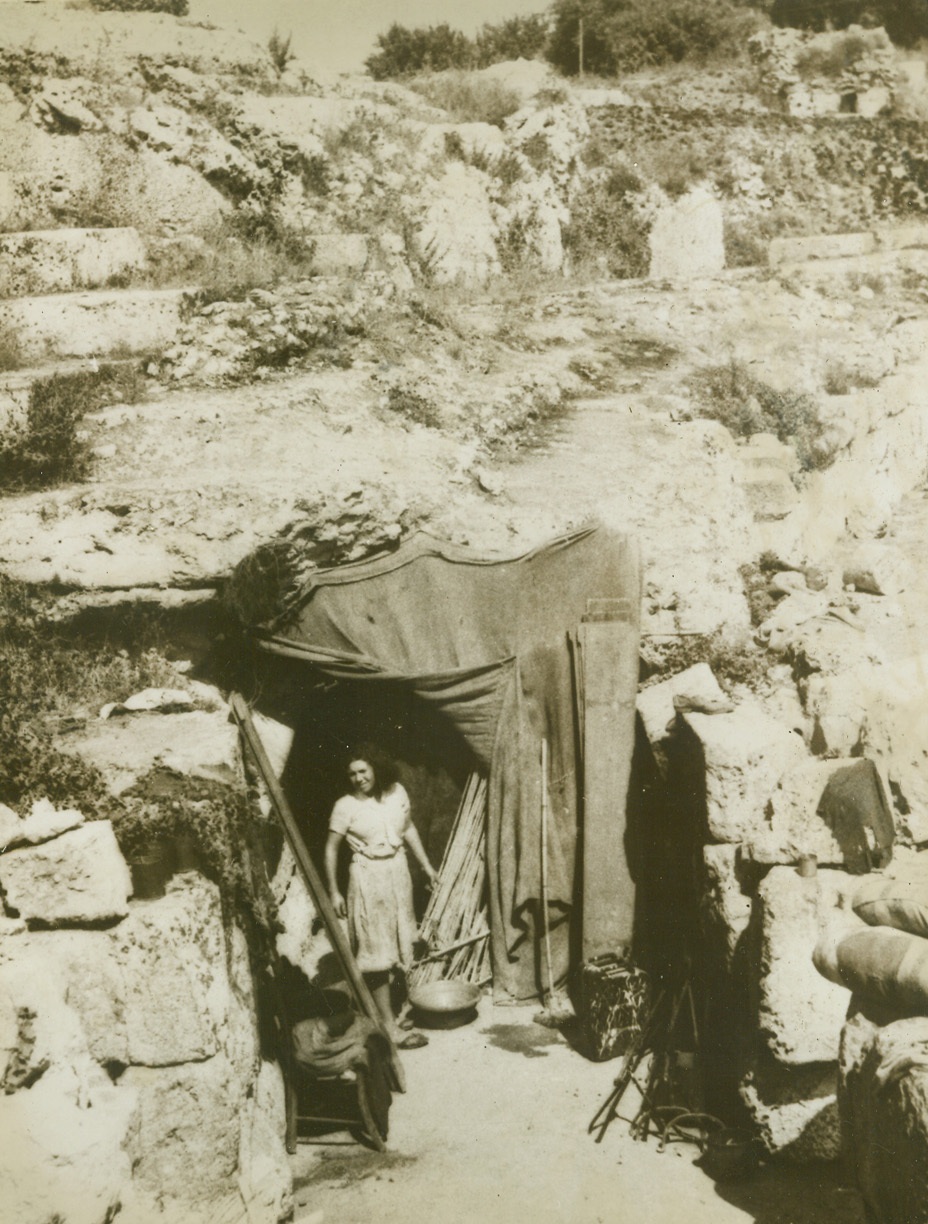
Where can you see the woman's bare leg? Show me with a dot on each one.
(379, 986)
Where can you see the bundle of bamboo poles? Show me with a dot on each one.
(454, 927)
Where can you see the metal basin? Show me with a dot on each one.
(445, 1004)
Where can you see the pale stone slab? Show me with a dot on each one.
(80, 877)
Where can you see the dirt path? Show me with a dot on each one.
(493, 1130)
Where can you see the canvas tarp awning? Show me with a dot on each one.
(485, 641)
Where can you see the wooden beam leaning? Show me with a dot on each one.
(324, 908)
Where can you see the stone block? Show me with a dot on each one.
(838, 705)
(726, 906)
(339, 254)
(771, 495)
(94, 324)
(60, 261)
(297, 939)
(695, 689)
(819, 246)
(742, 756)
(687, 238)
(199, 744)
(800, 1011)
(185, 1143)
(265, 1180)
(80, 877)
(63, 1155)
(177, 991)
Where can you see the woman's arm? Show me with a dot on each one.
(414, 842)
(331, 864)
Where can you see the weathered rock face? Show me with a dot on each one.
(884, 1107)
(129, 1063)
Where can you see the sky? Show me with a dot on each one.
(340, 34)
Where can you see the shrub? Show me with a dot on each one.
(403, 51)
(407, 402)
(246, 251)
(46, 450)
(738, 662)
(746, 405)
(179, 8)
(841, 53)
(46, 677)
(468, 98)
(279, 50)
(12, 356)
(627, 35)
(514, 38)
(605, 229)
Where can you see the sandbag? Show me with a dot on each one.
(854, 807)
(886, 967)
(901, 903)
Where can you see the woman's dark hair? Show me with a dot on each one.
(385, 771)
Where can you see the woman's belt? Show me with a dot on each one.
(362, 855)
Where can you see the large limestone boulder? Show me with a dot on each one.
(687, 237)
(800, 1013)
(78, 878)
(456, 240)
(186, 1140)
(884, 1109)
(741, 755)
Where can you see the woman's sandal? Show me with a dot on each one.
(406, 1024)
(415, 1041)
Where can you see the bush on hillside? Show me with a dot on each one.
(46, 449)
(746, 405)
(605, 231)
(468, 98)
(404, 52)
(906, 21)
(627, 35)
(178, 8)
(515, 38)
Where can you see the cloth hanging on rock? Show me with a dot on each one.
(854, 807)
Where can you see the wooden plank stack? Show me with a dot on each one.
(455, 927)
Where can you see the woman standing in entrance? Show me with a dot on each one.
(374, 819)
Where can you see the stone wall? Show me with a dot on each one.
(133, 1081)
(742, 776)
